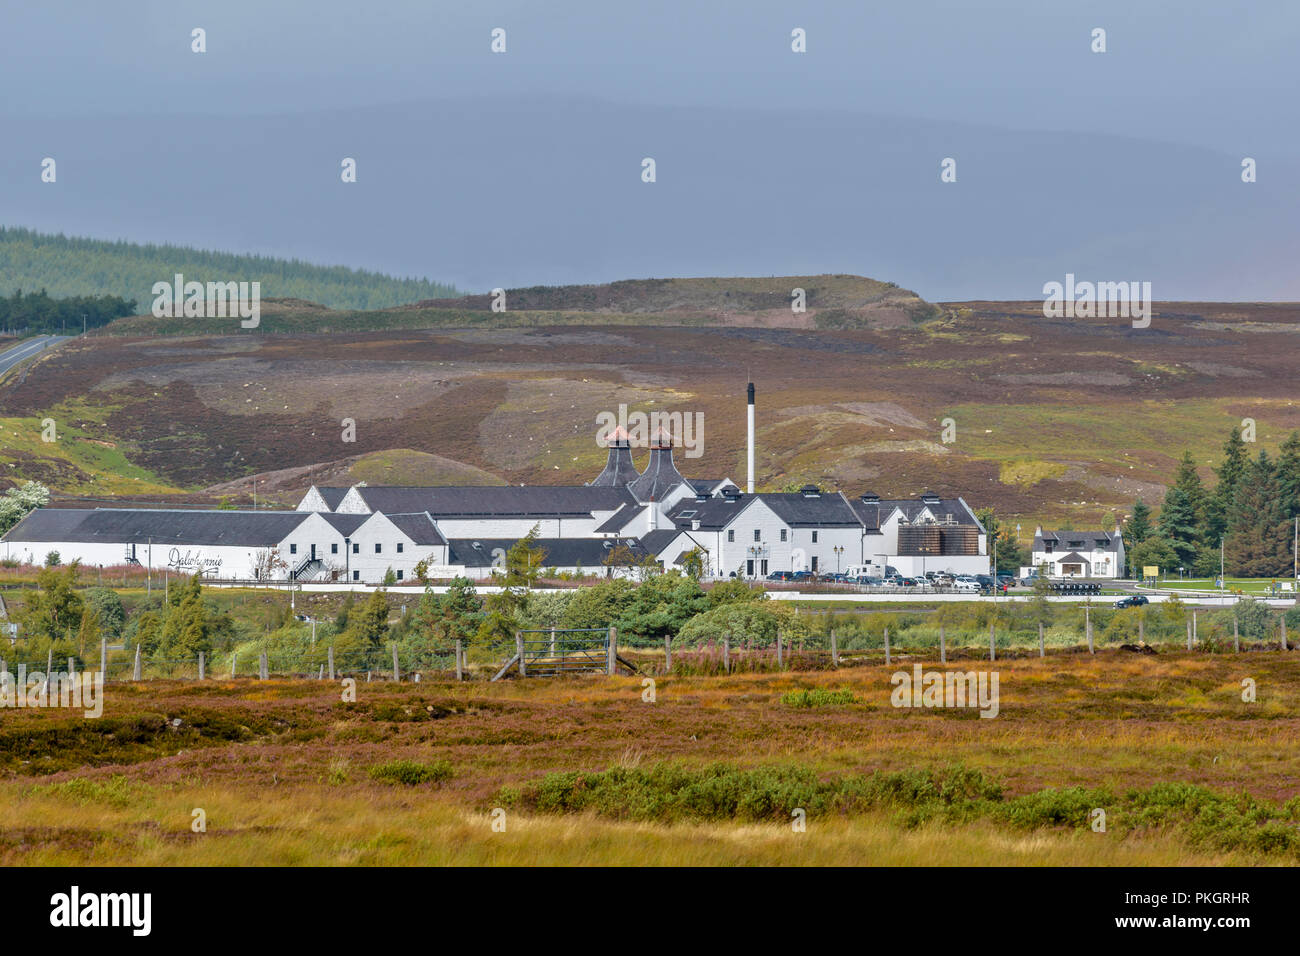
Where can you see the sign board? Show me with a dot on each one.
(1150, 571)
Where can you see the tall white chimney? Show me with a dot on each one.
(749, 485)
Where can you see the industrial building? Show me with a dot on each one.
(622, 521)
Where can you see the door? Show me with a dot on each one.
(749, 568)
(313, 552)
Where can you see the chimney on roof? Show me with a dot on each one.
(619, 470)
(749, 483)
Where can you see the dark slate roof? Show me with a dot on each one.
(713, 514)
(48, 524)
(1087, 540)
(560, 552)
(656, 541)
(706, 486)
(333, 496)
(621, 519)
(495, 500)
(163, 527)
(873, 513)
(418, 527)
(619, 470)
(825, 510)
(1073, 556)
(342, 523)
(659, 478)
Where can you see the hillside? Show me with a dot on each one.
(65, 266)
(1056, 420)
(830, 301)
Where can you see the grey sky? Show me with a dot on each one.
(1187, 81)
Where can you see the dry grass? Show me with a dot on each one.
(281, 767)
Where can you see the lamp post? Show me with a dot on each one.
(838, 549)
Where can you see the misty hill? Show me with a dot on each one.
(830, 302)
(65, 266)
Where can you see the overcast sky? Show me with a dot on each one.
(1194, 79)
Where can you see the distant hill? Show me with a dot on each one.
(830, 302)
(65, 266)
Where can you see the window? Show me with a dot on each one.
(814, 537)
(379, 548)
(758, 535)
(356, 548)
(399, 547)
(399, 573)
(814, 564)
(356, 575)
(293, 549)
(334, 548)
(731, 534)
(783, 534)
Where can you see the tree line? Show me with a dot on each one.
(39, 312)
(1251, 509)
(69, 266)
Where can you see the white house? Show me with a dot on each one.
(1079, 554)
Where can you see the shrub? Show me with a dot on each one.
(818, 697)
(411, 773)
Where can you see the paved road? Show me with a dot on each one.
(26, 349)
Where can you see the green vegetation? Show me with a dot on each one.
(35, 313)
(17, 503)
(84, 267)
(818, 697)
(411, 773)
(1251, 510)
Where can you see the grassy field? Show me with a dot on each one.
(586, 771)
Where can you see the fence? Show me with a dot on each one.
(558, 652)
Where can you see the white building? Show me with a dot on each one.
(1079, 554)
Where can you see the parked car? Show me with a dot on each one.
(781, 576)
(1006, 578)
(803, 576)
(1133, 600)
(966, 587)
(985, 581)
(870, 581)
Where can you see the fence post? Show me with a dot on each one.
(835, 651)
(320, 674)
(779, 662)
(1236, 635)
(103, 658)
(1194, 634)
(943, 645)
(71, 669)
(1041, 650)
(460, 670)
(329, 657)
(1284, 647)
(519, 649)
(1142, 626)
(49, 663)
(668, 654)
(611, 665)
(1087, 625)
(233, 658)
(262, 666)
(203, 670)
(367, 677)
(886, 646)
(552, 642)
(135, 672)
(726, 653)
(1189, 633)
(397, 673)
(993, 647)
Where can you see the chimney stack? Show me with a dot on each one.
(749, 485)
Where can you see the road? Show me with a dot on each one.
(26, 349)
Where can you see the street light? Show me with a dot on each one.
(838, 549)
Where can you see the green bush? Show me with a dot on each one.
(411, 773)
(818, 697)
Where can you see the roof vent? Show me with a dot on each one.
(810, 491)
(870, 498)
(930, 498)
